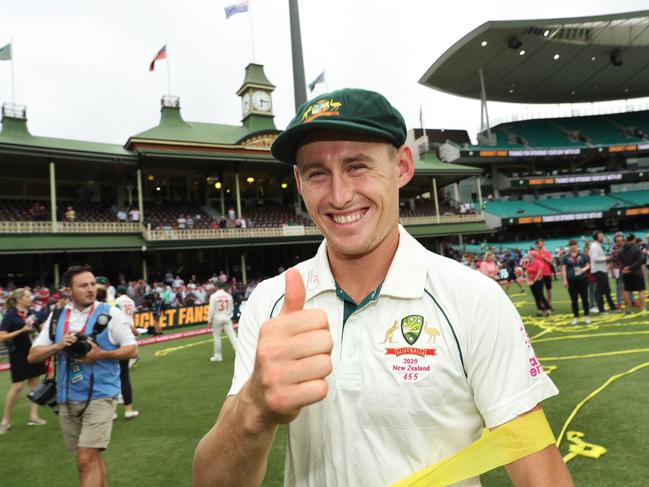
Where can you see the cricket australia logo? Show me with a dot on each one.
(410, 363)
(411, 327)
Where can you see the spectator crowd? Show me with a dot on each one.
(585, 270)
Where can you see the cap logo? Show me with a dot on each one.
(321, 108)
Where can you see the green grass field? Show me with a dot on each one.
(179, 392)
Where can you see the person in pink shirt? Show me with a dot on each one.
(489, 267)
(535, 280)
(544, 255)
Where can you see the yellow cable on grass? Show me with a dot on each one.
(594, 355)
(610, 380)
(510, 442)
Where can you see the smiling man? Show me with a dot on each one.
(382, 357)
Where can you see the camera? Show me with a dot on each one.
(81, 347)
(44, 394)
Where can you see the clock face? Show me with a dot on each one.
(261, 101)
(245, 103)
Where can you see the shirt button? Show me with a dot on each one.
(350, 354)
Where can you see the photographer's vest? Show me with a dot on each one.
(106, 382)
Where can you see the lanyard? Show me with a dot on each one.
(66, 324)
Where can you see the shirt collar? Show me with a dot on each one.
(406, 276)
(86, 310)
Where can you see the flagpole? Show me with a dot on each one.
(252, 36)
(168, 68)
(13, 79)
(423, 129)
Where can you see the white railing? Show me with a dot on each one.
(29, 227)
(443, 219)
(289, 231)
(227, 233)
(69, 227)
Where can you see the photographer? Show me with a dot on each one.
(17, 325)
(87, 363)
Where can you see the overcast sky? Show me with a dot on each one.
(81, 66)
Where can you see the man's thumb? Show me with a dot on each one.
(295, 293)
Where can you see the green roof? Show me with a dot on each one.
(173, 128)
(430, 165)
(255, 76)
(15, 134)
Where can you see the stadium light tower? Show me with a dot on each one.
(299, 83)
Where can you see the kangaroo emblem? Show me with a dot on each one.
(390, 333)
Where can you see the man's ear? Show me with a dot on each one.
(406, 165)
(296, 174)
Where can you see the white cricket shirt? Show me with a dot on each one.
(435, 354)
(221, 306)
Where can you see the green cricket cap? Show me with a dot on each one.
(359, 111)
(102, 280)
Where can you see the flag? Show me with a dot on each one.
(5, 53)
(318, 80)
(236, 9)
(162, 54)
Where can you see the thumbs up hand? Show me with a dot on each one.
(293, 358)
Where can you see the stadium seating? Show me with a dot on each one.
(582, 204)
(635, 123)
(160, 214)
(516, 209)
(273, 215)
(541, 133)
(599, 130)
(633, 198)
(567, 132)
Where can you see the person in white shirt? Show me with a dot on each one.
(219, 316)
(134, 214)
(127, 305)
(599, 270)
(380, 356)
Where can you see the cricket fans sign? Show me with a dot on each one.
(173, 317)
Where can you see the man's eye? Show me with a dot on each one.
(315, 174)
(356, 167)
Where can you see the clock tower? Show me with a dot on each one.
(256, 100)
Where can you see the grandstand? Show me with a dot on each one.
(548, 176)
(186, 179)
(567, 132)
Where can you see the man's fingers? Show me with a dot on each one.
(295, 293)
(289, 400)
(307, 369)
(302, 321)
(312, 343)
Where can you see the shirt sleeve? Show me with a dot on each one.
(119, 329)
(210, 309)
(6, 323)
(503, 371)
(43, 338)
(250, 322)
